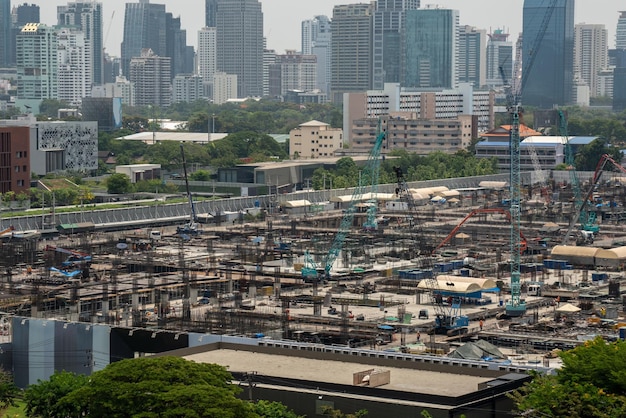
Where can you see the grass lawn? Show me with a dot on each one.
(15, 411)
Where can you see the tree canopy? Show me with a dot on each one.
(591, 383)
(437, 165)
(143, 388)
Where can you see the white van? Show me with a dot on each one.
(155, 235)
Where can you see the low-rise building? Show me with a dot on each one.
(406, 131)
(314, 139)
(138, 172)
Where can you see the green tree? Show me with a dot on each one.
(160, 387)
(591, 383)
(8, 391)
(118, 183)
(336, 413)
(266, 409)
(43, 399)
(589, 155)
(200, 175)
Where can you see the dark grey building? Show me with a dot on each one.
(210, 11)
(619, 89)
(5, 33)
(177, 49)
(88, 17)
(240, 46)
(351, 49)
(548, 53)
(144, 27)
(387, 23)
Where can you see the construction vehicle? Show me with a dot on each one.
(368, 176)
(588, 228)
(501, 211)
(7, 233)
(191, 227)
(74, 257)
(448, 317)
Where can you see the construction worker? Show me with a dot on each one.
(481, 323)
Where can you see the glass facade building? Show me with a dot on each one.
(144, 27)
(548, 53)
(240, 46)
(430, 48)
(387, 23)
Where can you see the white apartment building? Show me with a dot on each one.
(121, 88)
(314, 139)
(207, 56)
(224, 87)
(297, 72)
(151, 75)
(74, 65)
(187, 88)
(590, 54)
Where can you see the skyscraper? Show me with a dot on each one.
(590, 54)
(430, 48)
(88, 17)
(144, 27)
(316, 40)
(181, 55)
(472, 56)
(37, 68)
(499, 54)
(207, 55)
(548, 53)
(5, 33)
(387, 22)
(351, 49)
(240, 44)
(210, 11)
(620, 34)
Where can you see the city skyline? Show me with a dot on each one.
(282, 24)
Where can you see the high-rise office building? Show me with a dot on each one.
(6, 43)
(74, 62)
(210, 12)
(240, 44)
(548, 53)
(620, 33)
(313, 30)
(430, 48)
(351, 49)
(472, 56)
(387, 22)
(152, 79)
(88, 17)
(181, 55)
(37, 67)
(144, 27)
(590, 54)
(271, 74)
(316, 40)
(21, 15)
(499, 54)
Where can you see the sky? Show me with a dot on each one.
(282, 18)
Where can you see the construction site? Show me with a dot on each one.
(419, 270)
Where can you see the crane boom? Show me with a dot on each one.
(369, 173)
(581, 206)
